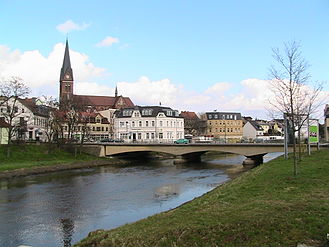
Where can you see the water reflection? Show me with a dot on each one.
(67, 230)
(59, 209)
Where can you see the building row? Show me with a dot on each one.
(93, 118)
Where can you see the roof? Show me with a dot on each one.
(4, 124)
(256, 125)
(189, 115)
(147, 111)
(40, 110)
(109, 101)
(223, 115)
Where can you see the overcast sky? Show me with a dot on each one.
(188, 55)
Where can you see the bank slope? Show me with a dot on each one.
(267, 206)
(34, 159)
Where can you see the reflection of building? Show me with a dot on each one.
(98, 103)
(225, 125)
(326, 122)
(148, 124)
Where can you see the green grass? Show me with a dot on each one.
(266, 206)
(28, 156)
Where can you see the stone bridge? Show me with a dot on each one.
(185, 152)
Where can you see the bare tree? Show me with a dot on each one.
(292, 94)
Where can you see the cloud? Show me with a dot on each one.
(41, 73)
(108, 41)
(69, 25)
(218, 88)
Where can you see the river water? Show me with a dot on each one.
(61, 208)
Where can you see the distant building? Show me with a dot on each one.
(4, 131)
(326, 122)
(225, 125)
(28, 118)
(252, 130)
(148, 124)
(193, 125)
(97, 103)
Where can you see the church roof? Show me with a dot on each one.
(66, 68)
(111, 102)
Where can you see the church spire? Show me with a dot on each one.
(66, 71)
(66, 77)
(116, 91)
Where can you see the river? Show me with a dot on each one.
(61, 208)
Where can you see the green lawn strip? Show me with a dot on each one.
(266, 206)
(29, 156)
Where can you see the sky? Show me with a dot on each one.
(189, 55)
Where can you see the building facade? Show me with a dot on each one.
(148, 124)
(326, 122)
(27, 117)
(252, 130)
(226, 126)
(4, 131)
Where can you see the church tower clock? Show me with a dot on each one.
(66, 78)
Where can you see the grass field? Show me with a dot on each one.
(266, 206)
(28, 156)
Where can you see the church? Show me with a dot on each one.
(98, 103)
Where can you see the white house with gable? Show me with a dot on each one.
(148, 124)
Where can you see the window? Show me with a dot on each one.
(147, 135)
(152, 135)
(98, 129)
(160, 135)
(153, 123)
(147, 123)
(133, 123)
(210, 116)
(22, 110)
(140, 123)
(139, 136)
(98, 120)
(122, 124)
(160, 123)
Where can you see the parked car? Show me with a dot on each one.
(181, 141)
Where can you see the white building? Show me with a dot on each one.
(148, 124)
(252, 130)
(28, 118)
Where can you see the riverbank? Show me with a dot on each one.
(36, 159)
(266, 206)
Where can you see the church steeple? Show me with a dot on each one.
(116, 91)
(66, 77)
(66, 71)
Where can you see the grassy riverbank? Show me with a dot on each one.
(30, 156)
(266, 206)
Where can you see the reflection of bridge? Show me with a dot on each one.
(253, 151)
